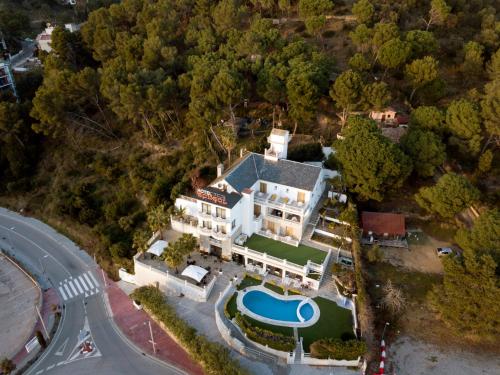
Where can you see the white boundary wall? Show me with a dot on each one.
(148, 275)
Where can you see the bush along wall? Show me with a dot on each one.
(338, 349)
(274, 340)
(213, 357)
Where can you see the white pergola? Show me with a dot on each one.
(195, 272)
(158, 247)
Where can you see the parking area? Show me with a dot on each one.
(18, 298)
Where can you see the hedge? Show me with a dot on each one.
(274, 340)
(213, 357)
(338, 349)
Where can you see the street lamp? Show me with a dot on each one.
(152, 341)
(42, 266)
(385, 326)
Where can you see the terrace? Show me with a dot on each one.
(296, 254)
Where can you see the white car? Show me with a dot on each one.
(441, 251)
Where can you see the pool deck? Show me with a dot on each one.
(304, 299)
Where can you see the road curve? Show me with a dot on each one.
(60, 264)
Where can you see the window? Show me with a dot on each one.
(207, 224)
(256, 210)
(233, 224)
(221, 229)
(263, 187)
(205, 208)
(220, 212)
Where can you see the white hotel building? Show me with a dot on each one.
(264, 194)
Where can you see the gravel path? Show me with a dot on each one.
(413, 357)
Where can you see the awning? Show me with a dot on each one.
(158, 247)
(194, 272)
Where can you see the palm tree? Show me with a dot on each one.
(158, 218)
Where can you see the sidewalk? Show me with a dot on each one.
(134, 324)
(49, 298)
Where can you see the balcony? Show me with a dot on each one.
(205, 230)
(220, 219)
(205, 215)
(273, 200)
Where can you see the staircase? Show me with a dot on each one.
(298, 352)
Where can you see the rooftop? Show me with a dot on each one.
(296, 254)
(217, 196)
(255, 167)
(383, 222)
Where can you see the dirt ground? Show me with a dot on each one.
(18, 298)
(420, 256)
(413, 357)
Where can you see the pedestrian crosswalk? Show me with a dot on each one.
(82, 285)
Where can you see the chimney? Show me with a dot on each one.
(220, 169)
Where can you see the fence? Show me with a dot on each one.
(148, 275)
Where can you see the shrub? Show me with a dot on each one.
(7, 366)
(374, 254)
(274, 340)
(214, 357)
(338, 349)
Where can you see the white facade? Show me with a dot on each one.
(277, 202)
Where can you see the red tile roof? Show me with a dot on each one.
(383, 222)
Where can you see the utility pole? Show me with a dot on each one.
(43, 323)
(152, 341)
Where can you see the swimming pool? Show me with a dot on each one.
(268, 306)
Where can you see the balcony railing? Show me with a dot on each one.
(269, 259)
(273, 200)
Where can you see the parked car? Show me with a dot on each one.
(346, 261)
(442, 251)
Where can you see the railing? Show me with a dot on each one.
(293, 206)
(269, 259)
(277, 237)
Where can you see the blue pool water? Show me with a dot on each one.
(266, 305)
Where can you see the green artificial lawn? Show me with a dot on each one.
(299, 255)
(249, 281)
(274, 288)
(333, 322)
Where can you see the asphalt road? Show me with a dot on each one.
(58, 263)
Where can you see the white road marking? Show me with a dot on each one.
(78, 285)
(93, 279)
(88, 280)
(83, 283)
(61, 290)
(73, 288)
(60, 363)
(61, 349)
(50, 367)
(39, 372)
(68, 291)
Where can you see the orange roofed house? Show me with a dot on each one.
(382, 226)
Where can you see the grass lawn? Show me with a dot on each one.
(231, 306)
(333, 322)
(249, 281)
(274, 288)
(299, 255)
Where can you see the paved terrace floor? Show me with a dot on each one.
(296, 254)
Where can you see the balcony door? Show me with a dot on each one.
(301, 196)
(263, 187)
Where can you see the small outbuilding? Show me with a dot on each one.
(383, 225)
